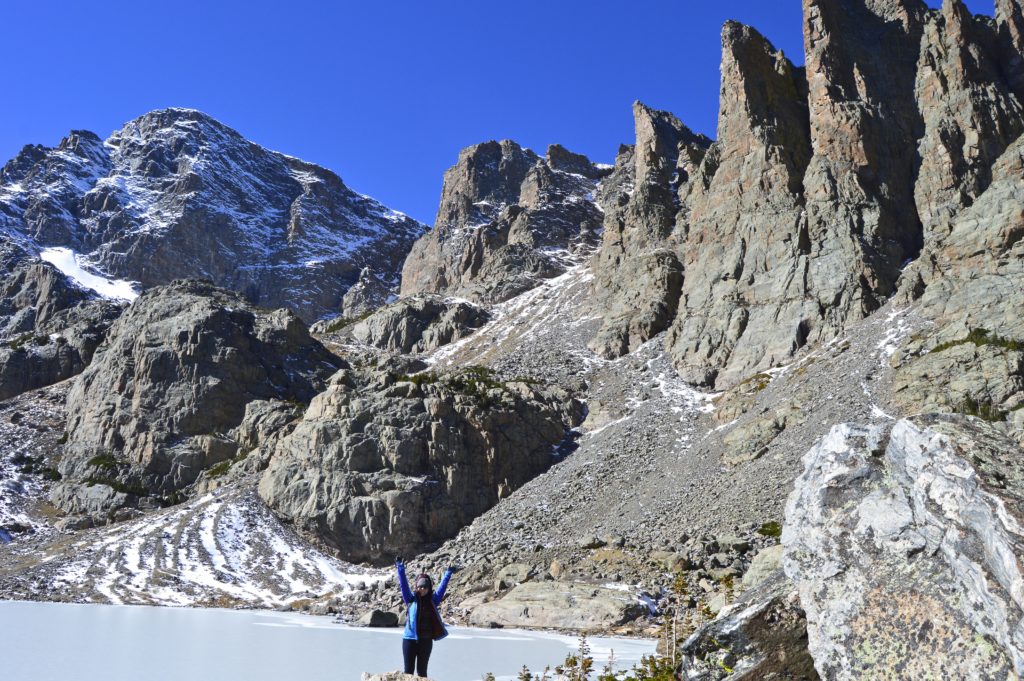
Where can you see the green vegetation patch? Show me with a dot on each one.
(983, 409)
(35, 466)
(423, 378)
(342, 322)
(982, 337)
(105, 461)
(21, 342)
(130, 488)
(771, 528)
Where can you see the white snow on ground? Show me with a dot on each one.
(209, 549)
(67, 262)
(897, 330)
(527, 313)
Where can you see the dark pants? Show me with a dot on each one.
(416, 653)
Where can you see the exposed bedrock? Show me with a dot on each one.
(173, 377)
(637, 273)
(386, 465)
(744, 244)
(49, 328)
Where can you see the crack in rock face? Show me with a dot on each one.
(904, 552)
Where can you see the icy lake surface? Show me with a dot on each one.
(51, 641)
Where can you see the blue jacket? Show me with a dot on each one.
(410, 600)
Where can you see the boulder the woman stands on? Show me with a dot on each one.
(423, 625)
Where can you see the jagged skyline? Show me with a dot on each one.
(354, 88)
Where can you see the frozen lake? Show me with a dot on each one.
(51, 641)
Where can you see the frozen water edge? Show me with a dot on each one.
(263, 646)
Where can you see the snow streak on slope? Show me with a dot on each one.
(67, 262)
(225, 549)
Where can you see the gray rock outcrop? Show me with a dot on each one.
(173, 377)
(973, 355)
(507, 219)
(559, 605)
(420, 323)
(905, 551)
(176, 194)
(384, 465)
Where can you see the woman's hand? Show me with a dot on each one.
(399, 564)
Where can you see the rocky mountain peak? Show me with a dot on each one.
(659, 138)
(560, 158)
(485, 179)
(177, 194)
(505, 215)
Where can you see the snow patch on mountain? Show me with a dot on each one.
(70, 264)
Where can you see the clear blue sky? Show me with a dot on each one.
(383, 93)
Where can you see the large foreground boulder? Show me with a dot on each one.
(173, 378)
(906, 552)
(384, 465)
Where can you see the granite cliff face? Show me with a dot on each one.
(176, 194)
(637, 273)
(744, 239)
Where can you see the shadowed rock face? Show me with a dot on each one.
(968, 285)
(174, 376)
(969, 111)
(506, 219)
(1010, 25)
(861, 67)
(382, 466)
(176, 194)
(904, 550)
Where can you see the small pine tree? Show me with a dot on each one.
(577, 667)
(524, 674)
(608, 672)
